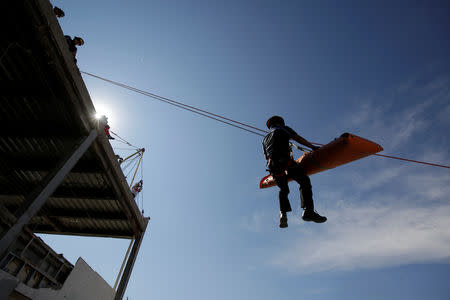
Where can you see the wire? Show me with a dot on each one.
(119, 141)
(225, 120)
(183, 106)
(404, 159)
(123, 140)
(134, 166)
(142, 191)
(132, 161)
(414, 161)
(127, 149)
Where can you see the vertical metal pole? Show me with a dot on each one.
(34, 202)
(130, 263)
(123, 264)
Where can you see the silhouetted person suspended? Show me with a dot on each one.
(279, 162)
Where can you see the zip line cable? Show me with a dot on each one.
(123, 140)
(175, 102)
(226, 120)
(414, 161)
(119, 141)
(183, 106)
(119, 148)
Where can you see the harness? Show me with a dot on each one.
(280, 172)
(278, 168)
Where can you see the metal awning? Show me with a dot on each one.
(45, 110)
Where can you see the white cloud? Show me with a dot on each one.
(399, 213)
(430, 186)
(377, 118)
(257, 222)
(372, 237)
(395, 215)
(380, 123)
(382, 176)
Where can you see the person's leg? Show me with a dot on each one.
(282, 183)
(297, 173)
(285, 205)
(306, 200)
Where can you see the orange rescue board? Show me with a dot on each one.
(347, 148)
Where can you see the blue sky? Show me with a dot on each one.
(378, 69)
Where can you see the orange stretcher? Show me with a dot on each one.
(347, 148)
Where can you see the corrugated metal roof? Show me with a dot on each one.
(45, 110)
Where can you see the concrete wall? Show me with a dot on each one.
(82, 283)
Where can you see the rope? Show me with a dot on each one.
(131, 170)
(127, 149)
(414, 161)
(183, 106)
(228, 121)
(123, 140)
(119, 141)
(404, 159)
(142, 191)
(133, 162)
(298, 147)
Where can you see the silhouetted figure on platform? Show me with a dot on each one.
(73, 43)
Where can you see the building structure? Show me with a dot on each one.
(58, 171)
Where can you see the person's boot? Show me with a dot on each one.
(283, 220)
(311, 215)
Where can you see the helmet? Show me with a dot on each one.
(274, 120)
(80, 40)
(58, 12)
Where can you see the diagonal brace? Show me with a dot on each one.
(37, 198)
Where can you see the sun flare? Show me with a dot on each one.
(103, 110)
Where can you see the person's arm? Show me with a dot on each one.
(265, 153)
(304, 142)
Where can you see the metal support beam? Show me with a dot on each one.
(130, 264)
(37, 198)
(123, 263)
(26, 247)
(66, 192)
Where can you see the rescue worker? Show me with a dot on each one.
(137, 188)
(104, 120)
(119, 159)
(58, 12)
(107, 132)
(277, 152)
(73, 43)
